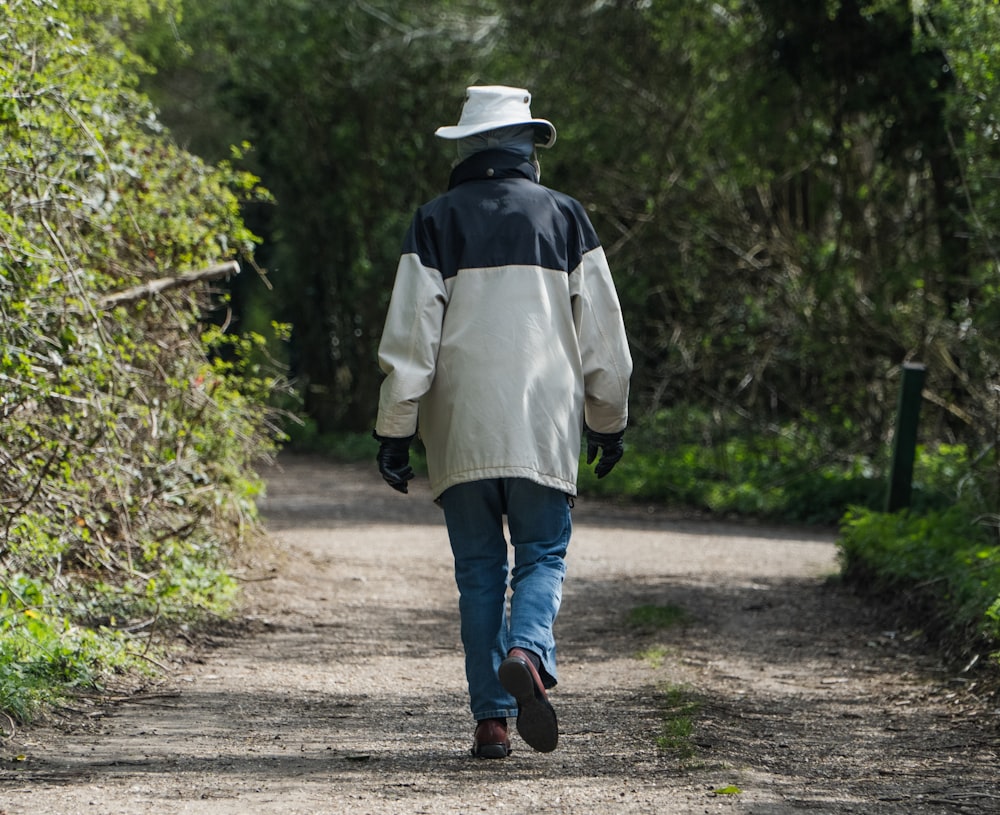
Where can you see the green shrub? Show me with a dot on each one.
(131, 426)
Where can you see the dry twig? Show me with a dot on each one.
(147, 290)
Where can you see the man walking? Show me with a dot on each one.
(503, 342)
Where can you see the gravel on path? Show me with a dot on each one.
(339, 688)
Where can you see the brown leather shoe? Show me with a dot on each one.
(536, 718)
(491, 739)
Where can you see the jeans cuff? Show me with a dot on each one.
(498, 713)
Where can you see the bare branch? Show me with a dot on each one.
(154, 287)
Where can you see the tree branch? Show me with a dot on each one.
(154, 287)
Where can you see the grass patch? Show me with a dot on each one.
(44, 657)
(657, 617)
(56, 643)
(679, 707)
(692, 458)
(944, 565)
(654, 655)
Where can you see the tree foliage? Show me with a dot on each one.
(339, 105)
(795, 197)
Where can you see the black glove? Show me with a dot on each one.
(394, 461)
(612, 448)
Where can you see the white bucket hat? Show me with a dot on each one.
(488, 107)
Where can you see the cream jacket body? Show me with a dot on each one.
(504, 331)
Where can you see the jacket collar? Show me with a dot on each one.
(492, 164)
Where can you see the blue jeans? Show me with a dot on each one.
(538, 519)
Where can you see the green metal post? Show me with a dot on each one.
(904, 443)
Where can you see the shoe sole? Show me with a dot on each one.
(536, 718)
(491, 751)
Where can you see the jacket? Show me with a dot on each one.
(504, 331)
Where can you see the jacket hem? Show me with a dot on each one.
(545, 479)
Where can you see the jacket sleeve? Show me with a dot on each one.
(408, 349)
(604, 351)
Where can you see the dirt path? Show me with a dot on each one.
(341, 691)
